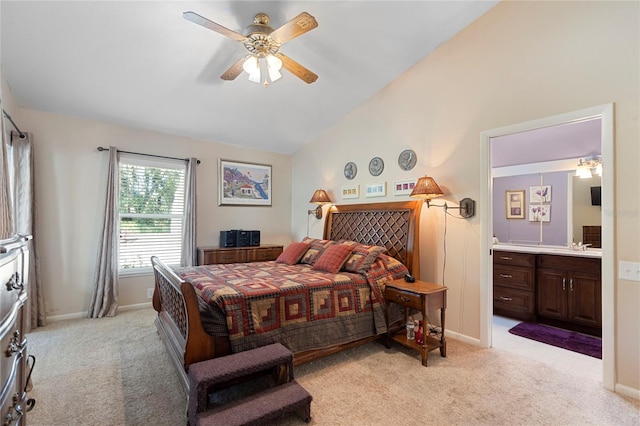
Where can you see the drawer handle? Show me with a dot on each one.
(571, 284)
(564, 284)
(15, 283)
(16, 345)
(506, 258)
(402, 298)
(506, 276)
(507, 299)
(17, 408)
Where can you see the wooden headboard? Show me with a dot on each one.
(394, 225)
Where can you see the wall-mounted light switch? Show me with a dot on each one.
(629, 271)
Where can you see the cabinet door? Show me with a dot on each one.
(552, 294)
(585, 299)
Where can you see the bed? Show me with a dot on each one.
(187, 299)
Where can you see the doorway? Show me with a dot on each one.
(605, 114)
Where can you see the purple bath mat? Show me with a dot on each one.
(569, 340)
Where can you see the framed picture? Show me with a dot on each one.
(350, 191)
(515, 204)
(376, 190)
(540, 213)
(244, 184)
(540, 194)
(404, 187)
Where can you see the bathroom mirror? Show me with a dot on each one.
(557, 205)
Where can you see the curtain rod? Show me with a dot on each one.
(22, 135)
(148, 155)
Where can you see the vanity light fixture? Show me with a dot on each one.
(320, 197)
(592, 162)
(427, 189)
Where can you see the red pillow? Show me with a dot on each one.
(293, 253)
(332, 259)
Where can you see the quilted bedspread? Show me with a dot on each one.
(266, 302)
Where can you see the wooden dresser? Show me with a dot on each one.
(514, 294)
(214, 255)
(14, 270)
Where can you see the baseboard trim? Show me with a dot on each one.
(627, 391)
(463, 338)
(84, 314)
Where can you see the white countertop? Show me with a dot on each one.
(557, 250)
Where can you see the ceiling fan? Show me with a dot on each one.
(263, 44)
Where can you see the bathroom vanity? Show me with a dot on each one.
(552, 285)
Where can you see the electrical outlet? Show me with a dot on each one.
(629, 271)
(149, 293)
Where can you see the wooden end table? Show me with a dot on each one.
(424, 297)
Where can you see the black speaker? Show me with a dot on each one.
(254, 238)
(228, 238)
(242, 238)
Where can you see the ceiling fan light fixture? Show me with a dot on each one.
(252, 67)
(274, 64)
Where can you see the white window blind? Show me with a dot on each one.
(151, 211)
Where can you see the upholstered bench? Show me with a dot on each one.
(207, 376)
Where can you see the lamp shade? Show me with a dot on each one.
(320, 197)
(427, 189)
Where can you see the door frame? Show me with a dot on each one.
(606, 114)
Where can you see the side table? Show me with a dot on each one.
(424, 297)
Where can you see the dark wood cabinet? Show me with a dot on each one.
(569, 292)
(514, 285)
(591, 235)
(216, 255)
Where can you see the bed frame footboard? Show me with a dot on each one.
(179, 324)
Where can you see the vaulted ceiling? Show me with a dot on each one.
(140, 64)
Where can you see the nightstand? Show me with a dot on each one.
(424, 297)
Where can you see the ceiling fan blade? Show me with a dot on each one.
(201, 20)
(296, 69)
(294, 28)
(235, 69)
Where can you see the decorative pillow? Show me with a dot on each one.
(332, 258)
(393, 266)
(293, 253)
(315, 249)
(362, 257)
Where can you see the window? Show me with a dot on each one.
(151, 212)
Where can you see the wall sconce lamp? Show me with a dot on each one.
(427, 189)
(320, 197)
(583, 170)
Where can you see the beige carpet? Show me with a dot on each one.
(115, 371)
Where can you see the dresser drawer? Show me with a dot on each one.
(570, 263)
(513, 303)
(264, 254)
(514, 277)
(514, 258)
(225, 256)
(410, 300)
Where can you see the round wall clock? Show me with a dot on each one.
(350, 170)
(376, 166)
(407, 159)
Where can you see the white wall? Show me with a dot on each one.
(70, 187)
(519, 62)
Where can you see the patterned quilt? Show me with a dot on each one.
(303, 309)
